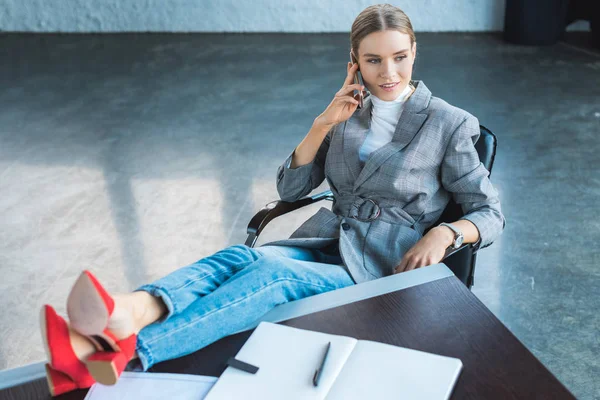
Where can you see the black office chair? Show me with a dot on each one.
(461, 261)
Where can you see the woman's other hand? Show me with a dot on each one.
(427, 251)
(344, 103)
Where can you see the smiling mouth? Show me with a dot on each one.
(389, 87)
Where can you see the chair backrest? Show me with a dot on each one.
(486, 149)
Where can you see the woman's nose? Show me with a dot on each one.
(388, 69)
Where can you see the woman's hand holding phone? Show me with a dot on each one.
(344, 103)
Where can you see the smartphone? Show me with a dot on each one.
(357, 79)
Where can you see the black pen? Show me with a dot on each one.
(319, 371)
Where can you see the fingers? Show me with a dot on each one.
(345, 99)
(346, 89)
(410, 262)
(350, 77)
(349, 100)
(406, 266)
(401, 266)
(411, 266)
(419, 263)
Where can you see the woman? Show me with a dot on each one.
(392, 165)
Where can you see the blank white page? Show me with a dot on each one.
(287, 359)
(382, 371)
(153, 386)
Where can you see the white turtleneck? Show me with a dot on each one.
(384, 117)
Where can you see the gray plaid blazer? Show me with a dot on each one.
(381, 208)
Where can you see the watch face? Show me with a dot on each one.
(458, 241)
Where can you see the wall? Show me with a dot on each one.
(237, 15)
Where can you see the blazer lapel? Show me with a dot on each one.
(409, 124)
(354, 135)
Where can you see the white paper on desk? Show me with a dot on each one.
(286, 359)
(150, 386)
(355, 369)
(382, 371)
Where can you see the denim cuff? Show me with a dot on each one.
(144, 354)
(163, 293)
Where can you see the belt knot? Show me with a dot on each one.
(365, 210)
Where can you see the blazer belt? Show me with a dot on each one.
(367, 210)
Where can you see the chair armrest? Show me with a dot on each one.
(276, 209)
(450, 251)
(461, 262)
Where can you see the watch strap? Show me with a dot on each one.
(456, 231)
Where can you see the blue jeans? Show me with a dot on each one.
(229, 291)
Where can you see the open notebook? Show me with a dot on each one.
(355, 369)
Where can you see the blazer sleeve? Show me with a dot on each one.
(294, 183)
(467, 179)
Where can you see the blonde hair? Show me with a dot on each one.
(377, 18)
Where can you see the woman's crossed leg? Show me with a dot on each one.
(228, 292)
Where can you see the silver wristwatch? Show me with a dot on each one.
(458, 236)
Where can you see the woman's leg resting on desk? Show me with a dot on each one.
(174, 292)
(219, 295)
(278, 275)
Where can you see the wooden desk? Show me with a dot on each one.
(440, 316)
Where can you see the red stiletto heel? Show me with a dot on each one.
(89, 307)
(64, 372)
(106, 367)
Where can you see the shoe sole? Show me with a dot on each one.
(88, 314)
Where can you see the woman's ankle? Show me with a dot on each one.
(153, 308)
(136, 310)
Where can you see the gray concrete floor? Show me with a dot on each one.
(133, 155)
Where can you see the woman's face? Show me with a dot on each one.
(386, 57)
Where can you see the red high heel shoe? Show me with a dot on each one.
(106, 367)
(64, 372)
(90, 307)
(59, 383)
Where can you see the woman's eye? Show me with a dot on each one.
(376, 59)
